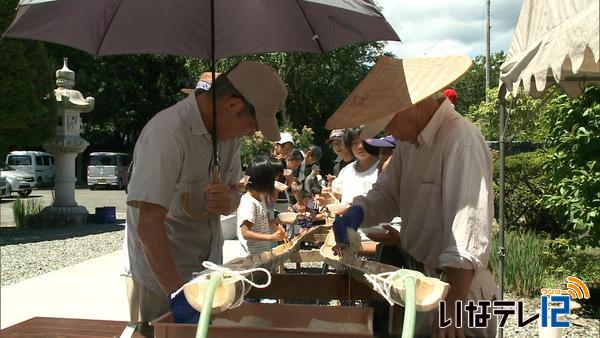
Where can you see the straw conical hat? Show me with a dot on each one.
(393, 85)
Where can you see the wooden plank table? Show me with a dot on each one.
(66, 327)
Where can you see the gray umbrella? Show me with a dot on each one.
(200, 28)
(183, 27)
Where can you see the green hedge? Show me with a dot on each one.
(525, 184)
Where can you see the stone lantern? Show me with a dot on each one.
(65, 146)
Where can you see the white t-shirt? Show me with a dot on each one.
(351, 183)
(255, 212)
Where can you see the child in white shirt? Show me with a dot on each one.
(255, 231)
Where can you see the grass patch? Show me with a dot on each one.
(534, 261)
(25, 212)
(526, 262)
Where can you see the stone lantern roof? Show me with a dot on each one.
(66, 96)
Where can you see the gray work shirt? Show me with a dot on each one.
(172, 156)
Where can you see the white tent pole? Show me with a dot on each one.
(501, 252)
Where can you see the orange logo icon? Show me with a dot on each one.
(577, 288)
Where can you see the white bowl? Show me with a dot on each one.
(337, 208)
(280, 186)
(287, 172)
(287, 217)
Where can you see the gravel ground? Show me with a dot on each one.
(26, 253)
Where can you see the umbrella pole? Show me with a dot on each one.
(501, 253)
(215, 154)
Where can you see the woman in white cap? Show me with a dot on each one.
(283, 148)
(439, 182)
(344, 155)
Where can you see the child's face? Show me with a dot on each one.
(292, 164)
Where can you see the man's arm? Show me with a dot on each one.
(460, 283)
(155, 244)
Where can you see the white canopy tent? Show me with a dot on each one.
(556, 42)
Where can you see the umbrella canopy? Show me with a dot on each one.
(183, 27)
(555, 42)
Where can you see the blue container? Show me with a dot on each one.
(105, 215)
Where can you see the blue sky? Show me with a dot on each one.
(436, 27)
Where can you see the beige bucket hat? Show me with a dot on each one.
(393, 85)
(264, 89)
(203, 83)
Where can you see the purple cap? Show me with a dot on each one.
(383, 142)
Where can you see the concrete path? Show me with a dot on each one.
(93, 289)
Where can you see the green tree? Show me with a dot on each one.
(27, 105)
(471, 88)
(526, 118)
(574, 165)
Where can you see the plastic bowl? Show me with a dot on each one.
(287, 172)
(337, 208)
(280, 186)
(287, 217)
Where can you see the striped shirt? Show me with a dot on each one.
(255, 212)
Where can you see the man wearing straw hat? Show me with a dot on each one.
(438, 181)
(169, 236)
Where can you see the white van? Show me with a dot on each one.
(38, 163)
(109, 169)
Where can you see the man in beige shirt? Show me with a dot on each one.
(438, 182)
(166, 239)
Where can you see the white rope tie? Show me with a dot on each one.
(382, 285)
(237, 275)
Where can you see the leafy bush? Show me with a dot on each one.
(525, 185)
(526, 262)
(573, 194)
(254, 146)
(25, 212)
(302, 138)
(569, 261)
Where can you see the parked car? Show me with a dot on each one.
(38, 163)
(4, 188)
(108, 169)
(18, 181)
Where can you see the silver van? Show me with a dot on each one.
(38, 163)
(108, 169)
